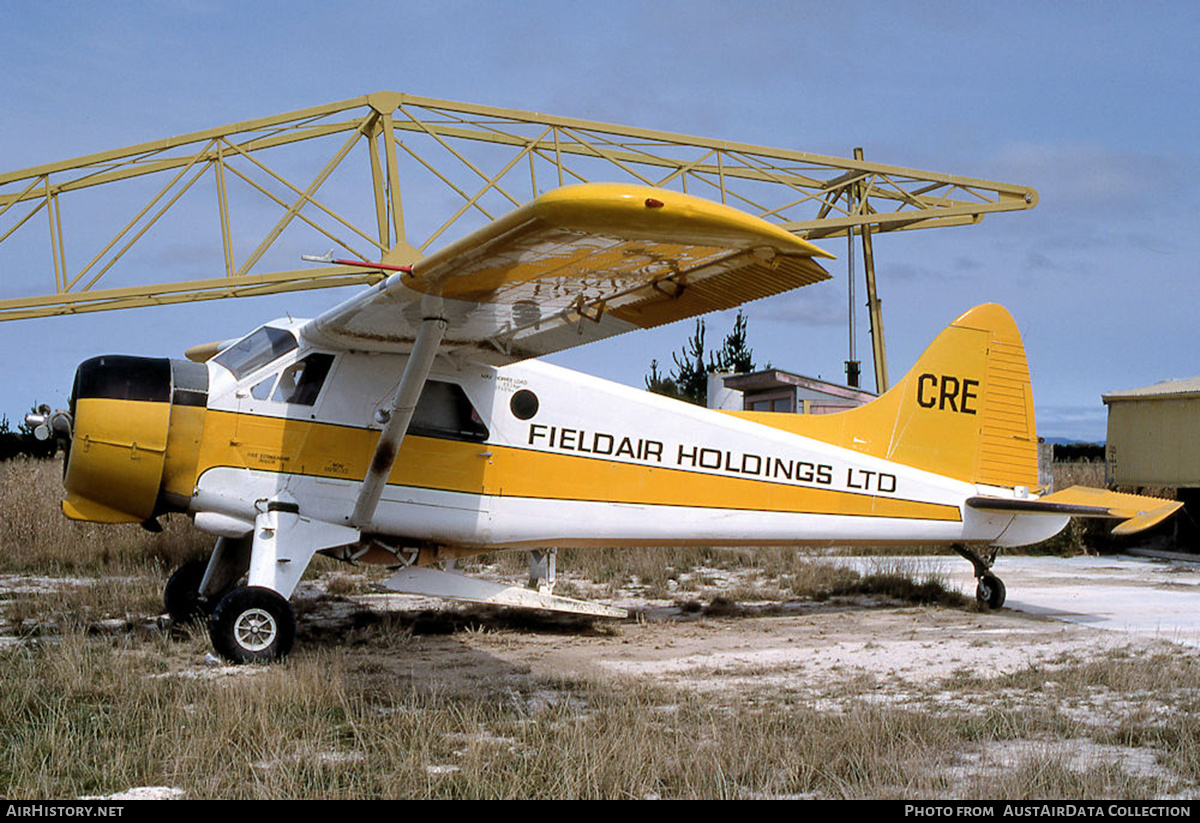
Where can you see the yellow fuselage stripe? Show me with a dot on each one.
(332, 451)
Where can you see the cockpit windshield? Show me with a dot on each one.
(256, 350)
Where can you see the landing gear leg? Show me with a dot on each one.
(229, 563)
(543, 569)
(254, 623)
(989, 589)
(195, 588)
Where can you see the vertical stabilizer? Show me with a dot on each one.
(965, 410)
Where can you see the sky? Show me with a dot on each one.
(1094, 104)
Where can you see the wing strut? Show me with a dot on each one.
(420, 361)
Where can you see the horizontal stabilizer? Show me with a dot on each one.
(1137, 511)
(436, 583)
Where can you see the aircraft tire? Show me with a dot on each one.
(990, 591)
(252, 624)
(181, 596)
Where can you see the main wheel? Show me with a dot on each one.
(252, 625)
(182, 593)
(990, 591)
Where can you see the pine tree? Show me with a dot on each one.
(735, 355)
(689, 379)
(690, 375)
(661, 383)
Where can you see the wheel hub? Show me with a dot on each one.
(255, 630)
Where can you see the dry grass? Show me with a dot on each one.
(37, 538)
(82, 717)
(761, 573)
(83, 713)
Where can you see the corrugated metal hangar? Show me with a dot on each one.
(1154, 435)
(1154, 441)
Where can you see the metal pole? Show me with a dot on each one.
(853, 367)
(874, 306)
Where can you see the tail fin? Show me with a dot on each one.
(965, 410)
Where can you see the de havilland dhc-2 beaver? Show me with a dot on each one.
(412, 426)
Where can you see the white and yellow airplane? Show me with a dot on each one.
(412, 426)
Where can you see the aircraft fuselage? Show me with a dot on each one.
(532, 455)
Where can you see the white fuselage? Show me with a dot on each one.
(574, 461)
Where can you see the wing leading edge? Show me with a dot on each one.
(577, 264)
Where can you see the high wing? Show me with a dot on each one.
(577, 264)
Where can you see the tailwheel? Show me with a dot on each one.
(181, 597)
(252, 624)
(990, 591)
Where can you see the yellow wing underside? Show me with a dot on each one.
(605, 257)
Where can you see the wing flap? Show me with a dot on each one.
(747, 278)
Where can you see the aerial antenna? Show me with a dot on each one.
(328, 257)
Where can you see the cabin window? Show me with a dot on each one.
(298, 384)
(256, 350)
(445, 411)
(301, 382)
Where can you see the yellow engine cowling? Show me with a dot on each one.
(136, 428)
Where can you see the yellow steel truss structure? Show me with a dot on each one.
(464, 163)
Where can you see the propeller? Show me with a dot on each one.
(47, 424)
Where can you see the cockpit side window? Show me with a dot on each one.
(256, 350)
(299, 384)
(262, 389)
(445, 411)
